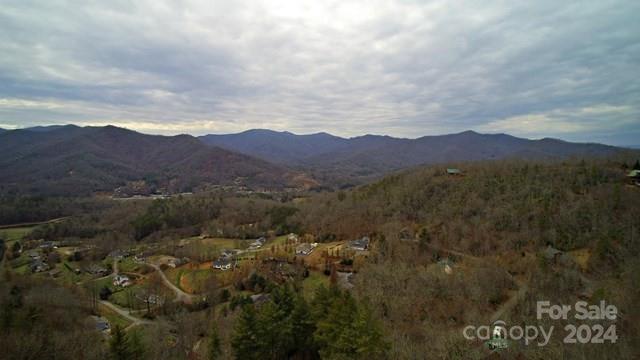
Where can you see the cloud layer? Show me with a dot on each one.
(403, 68)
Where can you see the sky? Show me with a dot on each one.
(534, 69)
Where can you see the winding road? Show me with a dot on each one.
(126, 314)
(180, 295)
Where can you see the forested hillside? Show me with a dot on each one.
(80, 161)
(346, 161)
(446, 251)
(495, 221)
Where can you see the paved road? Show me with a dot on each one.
(27, 224)
(126, 314)
(180, 295)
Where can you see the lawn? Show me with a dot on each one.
(113, 317)
(280, 240)
(126, 297)
(128, 265)
(217, 244)
(68, 276)
(311, 283)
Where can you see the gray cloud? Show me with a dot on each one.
(404, 68)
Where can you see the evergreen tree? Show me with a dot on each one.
(136, 347)
(302, 326)
(246, 335)
(346, 330)
(636, 166)
(118, 345)
(214, 343)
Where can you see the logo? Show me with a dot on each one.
(498, 339)
(597, 326)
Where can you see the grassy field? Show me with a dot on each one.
(114, 318)
(126, 297)
(280, 240)
(311, 283)
(14, 234)
(130, 266)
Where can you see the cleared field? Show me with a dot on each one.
(217, 243)
(14, 234)
(128, 265)
(280, 240)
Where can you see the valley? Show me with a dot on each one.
(425, 251)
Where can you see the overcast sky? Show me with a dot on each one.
(403, 68)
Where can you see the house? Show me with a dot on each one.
(454, 171)
(47, 245)
(293, 238)
(259, 299)
(119, 254)
(447, 265)
(258, 243)
(34, 255)
(37, 266)
(102, 325)
(96, 269)
(305, 249)
(142, 257)
(360, 244)
(222, 264)
(176, 262)
(152, 299)
(121, 280)
(228, 253)
(553, 255)
(634, 176)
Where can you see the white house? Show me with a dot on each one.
(121, 280)
(222, 264)
(305, 249)
(258, 243)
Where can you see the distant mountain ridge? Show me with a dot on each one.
(280, 147)
(364, 157)
(82, 160)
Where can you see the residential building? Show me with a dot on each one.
(121, 280)
(305, 249)
(361, 244)
(222, 264)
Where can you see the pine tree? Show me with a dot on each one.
(118, 345)
(214, 343)
(302, 326)
(246, 334)
(136, 347)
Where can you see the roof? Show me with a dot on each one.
(360, 243)
(102, 324)
(306, 247)
(453, 171)
(634, 173)
(222, 262)
(260, 298)
(445, 262)
(550, 252)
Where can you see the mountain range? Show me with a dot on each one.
(84, 160)
(335, 159)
